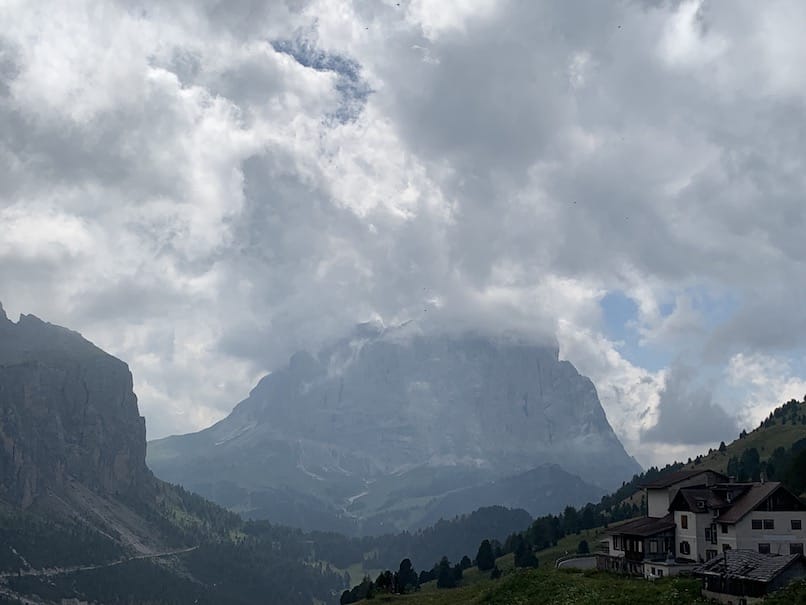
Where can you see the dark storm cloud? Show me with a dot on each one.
(687, 413)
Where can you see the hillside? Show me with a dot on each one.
(81, 515)
(553, 587)
(547, 586)
(783, 429)
(391, 428)
(771, 448)
(777, 449)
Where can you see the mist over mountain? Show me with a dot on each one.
(392, 428)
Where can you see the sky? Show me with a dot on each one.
(203, 188)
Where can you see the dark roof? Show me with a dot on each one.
(698, 499)
(755, 495)
(748, 565)
(676, 477)
(644, 526)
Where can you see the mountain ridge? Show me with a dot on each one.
(388, 410)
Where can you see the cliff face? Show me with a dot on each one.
(67, 411)
(388, 422)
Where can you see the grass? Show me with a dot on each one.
(554, 587)
(568, 546)
(764, 439)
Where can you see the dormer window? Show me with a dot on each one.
(684, 521)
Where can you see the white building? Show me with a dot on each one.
(763, 517)
(695, 515)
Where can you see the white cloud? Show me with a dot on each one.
(762, 380)
(203, 204)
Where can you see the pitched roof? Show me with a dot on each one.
(699, 499)
(644, 526)
(748, 501)
(747, 564)
(692, 496)
(676, 477)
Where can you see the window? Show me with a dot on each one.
(660, 573)
(653, 571)
(708, 534)
(616, 542)
(769, 524)
(710, 554)
(764, 548)
(685, 548)
(724, 527)
(756, 523)
(653, 547)
(684, 521)
(796, 549)
(797, 524)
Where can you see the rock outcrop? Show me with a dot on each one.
(386, 424)
(67, 413)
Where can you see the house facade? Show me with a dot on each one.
(763, 517)
(660, 493)
(705, 515)
(648, 546)
(633, 543)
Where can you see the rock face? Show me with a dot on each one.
(382, 428)
(67, 412)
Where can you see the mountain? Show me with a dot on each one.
(81, 515)
(390, 428)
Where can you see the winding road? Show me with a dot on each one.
(54, 571)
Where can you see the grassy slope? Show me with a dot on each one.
(764, 439)
(552, 587)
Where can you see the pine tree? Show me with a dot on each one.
(484, 558)
(445, 578)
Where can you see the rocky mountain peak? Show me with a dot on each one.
(392, 417)
(67, 411)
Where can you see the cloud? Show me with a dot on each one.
(351, 87)
(204, 189)
(687, 414)
(761, 378)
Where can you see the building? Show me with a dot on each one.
(660, 493)
(764, 517)
(647, 546)
(634, 542)
(693, 516)
(742, 577)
